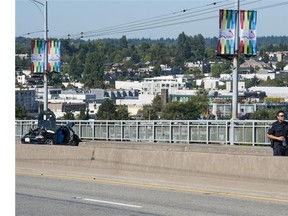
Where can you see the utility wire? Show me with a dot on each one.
(153, 20)
(133, 22)
(170, 24)
(30, 33)
(144, 26)
(149, 27)
(36, 3)
(158, 21)
(162, 20)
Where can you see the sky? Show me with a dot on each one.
(153, 19)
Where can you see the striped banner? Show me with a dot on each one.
(54, 63)
(248, 20)
(227, 26)
(37, 56)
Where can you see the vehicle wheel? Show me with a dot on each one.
(49, 141)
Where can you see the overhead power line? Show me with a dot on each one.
(30, 33)
(169, 20)
(153, 22)
(144, 23)
(189, 15)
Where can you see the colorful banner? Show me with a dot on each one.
(37, 56)
(54, 63)
(227, 27)
(248, 20)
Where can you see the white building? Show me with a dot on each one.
(153, 86)
(241, 86)
(276, 92)
(261, 74)
(76, 84)
(211, 83)
(135, 104)
(21, 79)
(194, 65)
(128, 85)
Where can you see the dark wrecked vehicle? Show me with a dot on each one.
(48, 133)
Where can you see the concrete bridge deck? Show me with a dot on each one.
(245, 170)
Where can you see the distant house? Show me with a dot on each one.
(251, 63)
(194, 65)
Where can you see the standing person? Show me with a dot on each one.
(278, 133)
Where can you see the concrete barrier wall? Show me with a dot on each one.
(157, 161)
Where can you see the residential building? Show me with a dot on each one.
(153, 86)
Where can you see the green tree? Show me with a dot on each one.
(68, 115)
(92, 77)
(198, 47)
(211, 54)
(149, 113)
(83, 115)
(122, 112)
(264, 114)
(197, 73)
(55, 79)
(174, 110)
(183, 49)
(216, 70)
(221, 68)
(107, 110)
(157, 71)
(123, 42)
(192, 109)
(157, 103)
(75, 69)
(21, 112)
(254, 81)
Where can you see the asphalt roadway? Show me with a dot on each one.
(65, 196)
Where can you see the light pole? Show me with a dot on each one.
(45, 74)
(235, 76)
(45, 96)
(236, 67)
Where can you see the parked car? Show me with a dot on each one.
(63, 135)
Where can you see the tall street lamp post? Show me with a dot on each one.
(235, 77)
(45, 96)
(45, 74)
(236, 67)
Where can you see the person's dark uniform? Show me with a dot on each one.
(279, 129)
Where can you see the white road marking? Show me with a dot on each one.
(108, 202)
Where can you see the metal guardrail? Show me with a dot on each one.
(238, 132)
